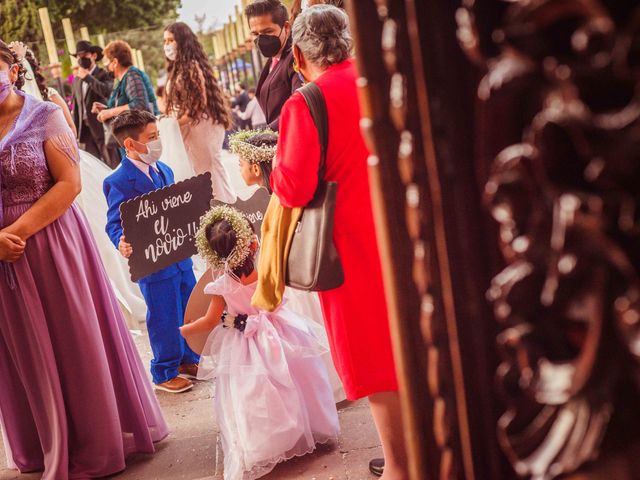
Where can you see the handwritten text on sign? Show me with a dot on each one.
(253, 208)
(161, 226)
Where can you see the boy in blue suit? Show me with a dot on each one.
(166, 292)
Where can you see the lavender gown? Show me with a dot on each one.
(74, 398)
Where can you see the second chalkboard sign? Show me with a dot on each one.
(253, 208)
(161, 225)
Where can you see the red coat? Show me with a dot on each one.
(355, 314)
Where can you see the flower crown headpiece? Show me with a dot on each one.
(244, 238)
(238, 144)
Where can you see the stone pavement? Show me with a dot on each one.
(190, 452)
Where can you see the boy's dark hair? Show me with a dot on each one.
(222, 240)
(251, 90)
(131, 124)
(275, 8)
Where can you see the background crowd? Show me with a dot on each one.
(61, 328)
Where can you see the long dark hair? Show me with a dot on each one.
(37, 73)
(186, 82)
(7, 56)
(222, 240)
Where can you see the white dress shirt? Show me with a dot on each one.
(144, 167)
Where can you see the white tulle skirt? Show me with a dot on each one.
(94, 205)
(271, 399)
(307, 304)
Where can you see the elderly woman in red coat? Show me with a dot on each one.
(355, 314)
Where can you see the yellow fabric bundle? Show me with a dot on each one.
(278, 228)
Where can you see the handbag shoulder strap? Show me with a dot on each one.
(318, 108)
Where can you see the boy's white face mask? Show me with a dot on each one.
(154, 151)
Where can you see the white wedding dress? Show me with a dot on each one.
(94, 204)
(173, 152)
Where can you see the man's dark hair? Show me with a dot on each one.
(275, 8)
(242, 86)
(130, 124)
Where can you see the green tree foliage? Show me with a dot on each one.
(105, 15)
(19, 18)
(139, 22)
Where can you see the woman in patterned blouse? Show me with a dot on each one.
(133, 90)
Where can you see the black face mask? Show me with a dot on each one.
(85, 63)
(269, 45)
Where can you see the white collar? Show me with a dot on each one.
(144, 167)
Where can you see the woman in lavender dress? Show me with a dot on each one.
(74, 399)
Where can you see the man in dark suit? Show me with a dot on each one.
(269, 24)
(241, 100)
(92, 84)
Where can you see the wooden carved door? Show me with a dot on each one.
(506, 178)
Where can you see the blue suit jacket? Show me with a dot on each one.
(128, 182)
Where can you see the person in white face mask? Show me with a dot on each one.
(75, 400)
(193, 97)
(166, 292)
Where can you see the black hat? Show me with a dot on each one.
(83, 47)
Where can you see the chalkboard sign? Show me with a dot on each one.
(161, 225)
(253, 208)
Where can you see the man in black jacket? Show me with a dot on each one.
(269, 24)
(241, 100)
(92, 84)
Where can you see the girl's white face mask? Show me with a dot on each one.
(170, 51)
(5, 85)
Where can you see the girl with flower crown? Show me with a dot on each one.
(273, 399)
(256, 150)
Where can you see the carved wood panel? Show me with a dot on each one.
(564, 193)
(519, 163)
(424, 295)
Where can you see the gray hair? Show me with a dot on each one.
(322, 34)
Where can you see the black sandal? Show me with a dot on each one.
(376, 466)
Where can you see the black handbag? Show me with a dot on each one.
(313, 263)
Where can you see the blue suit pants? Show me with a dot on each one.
(166, 303)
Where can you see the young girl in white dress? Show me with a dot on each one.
(273, 400)
(256, 150)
